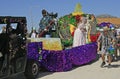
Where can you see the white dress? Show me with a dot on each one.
(79, 36)
(33, 35)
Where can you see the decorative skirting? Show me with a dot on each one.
(62, 60)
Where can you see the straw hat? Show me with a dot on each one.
(105, 28)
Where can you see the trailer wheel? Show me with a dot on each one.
(32, 69)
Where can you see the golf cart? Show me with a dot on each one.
(13, 53)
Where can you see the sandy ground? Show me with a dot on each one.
(89, 71)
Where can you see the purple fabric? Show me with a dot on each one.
(83, 54)
(33, 50)
(63, 60)
(56, 60)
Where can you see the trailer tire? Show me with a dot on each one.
(32, 69)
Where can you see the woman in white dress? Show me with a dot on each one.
(80, 33)
(33, 33)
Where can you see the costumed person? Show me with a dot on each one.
(54, 28)
(114, 33)
(45, 24)
(92, 36)
(105, 46)
(80, 33)
(90, 27)
(118, 43)
(33, 33)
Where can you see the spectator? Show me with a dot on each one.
(114, 34)
(118, 42)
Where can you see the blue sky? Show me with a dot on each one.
(31, 9)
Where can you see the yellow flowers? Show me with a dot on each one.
(77, 13)
(78, 10)
(72, 28)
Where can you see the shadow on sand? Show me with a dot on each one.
(44, 72)
(112, 66)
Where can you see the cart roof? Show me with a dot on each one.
(11, 19)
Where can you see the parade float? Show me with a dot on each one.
(28, 55)
(57, 54)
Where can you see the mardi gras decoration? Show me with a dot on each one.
(78, 10)
(72, 29)
(62, 60)
(68, 24)
(104, 24)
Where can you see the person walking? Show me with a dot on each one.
(105, 43)
(118, 43)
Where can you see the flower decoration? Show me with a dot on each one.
(64, 60)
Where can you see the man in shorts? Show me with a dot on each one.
(105, 40)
